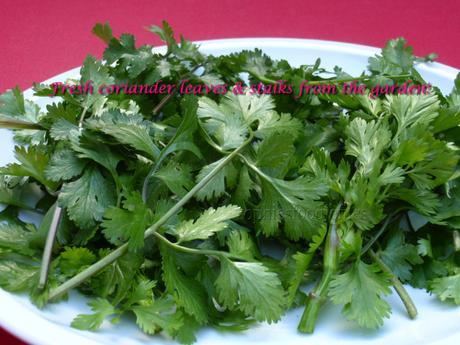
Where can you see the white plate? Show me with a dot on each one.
(437, 323)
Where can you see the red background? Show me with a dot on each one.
(39, 39)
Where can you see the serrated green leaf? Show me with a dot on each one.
(160, 315)
(64, 165)
(447, 288)
(400, 256)
(101, 308)
(210, 222)
(187, 291)
(87, 198)
(248, 286)
(17, 277)
(136, 136)
(296, 202)
(216, 187)
(129, 223)
(360, 290)
(74, 260)
(34, 161)
(177, 177)
(103, 31)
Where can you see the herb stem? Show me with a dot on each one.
(82, 118)
(456, 236)
(120, 251)
(369, 244)
(188, 250)
(318, 295)
(163, 101)
(47, 251)
(398, 286)
(18, 124)
(51, 236)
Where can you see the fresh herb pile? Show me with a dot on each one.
(171, 207)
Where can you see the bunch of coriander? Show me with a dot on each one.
(170, 207)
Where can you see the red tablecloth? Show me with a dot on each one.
(39, 39)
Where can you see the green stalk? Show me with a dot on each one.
(318, 295)
(6, 122)
(398, 286)
(47, 251)
(51, 236)
(120, 251)
(209, 252)
(456, 236)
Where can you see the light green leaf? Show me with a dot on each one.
(366, 141)
(17, 277)
(251, 288)
(13, 105)
(129, 223)
(16, 238)
(33, 161)
(160, 315)
(274, 123)
(412, 110)
(177, 177)
(87, 198)
(360, 290)
(447, 288)
(400, 256)
(74, 260)
(210, 222)
(296, 201)
(101, 308)
(134, 135)
(216, 187)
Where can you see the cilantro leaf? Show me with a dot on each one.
(360, 290)
(210, 222)
(242, 245)
(216, 187)
(400, 257)
(64, 165)
(296, 201)
(103, 31)
(412, 110)
(366, 141)
(134, 135)
(159, 315)
(16, 238)
(129, 223)
(177, 177)
(73, 260)
(447, 288)
(274, 154)
(13, 105)
(101, 308)
(87, 198)
(187, 291)
(248, 286)
(17, 277)
(34, 161)
(93, 70)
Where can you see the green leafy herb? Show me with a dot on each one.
(171, 204)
